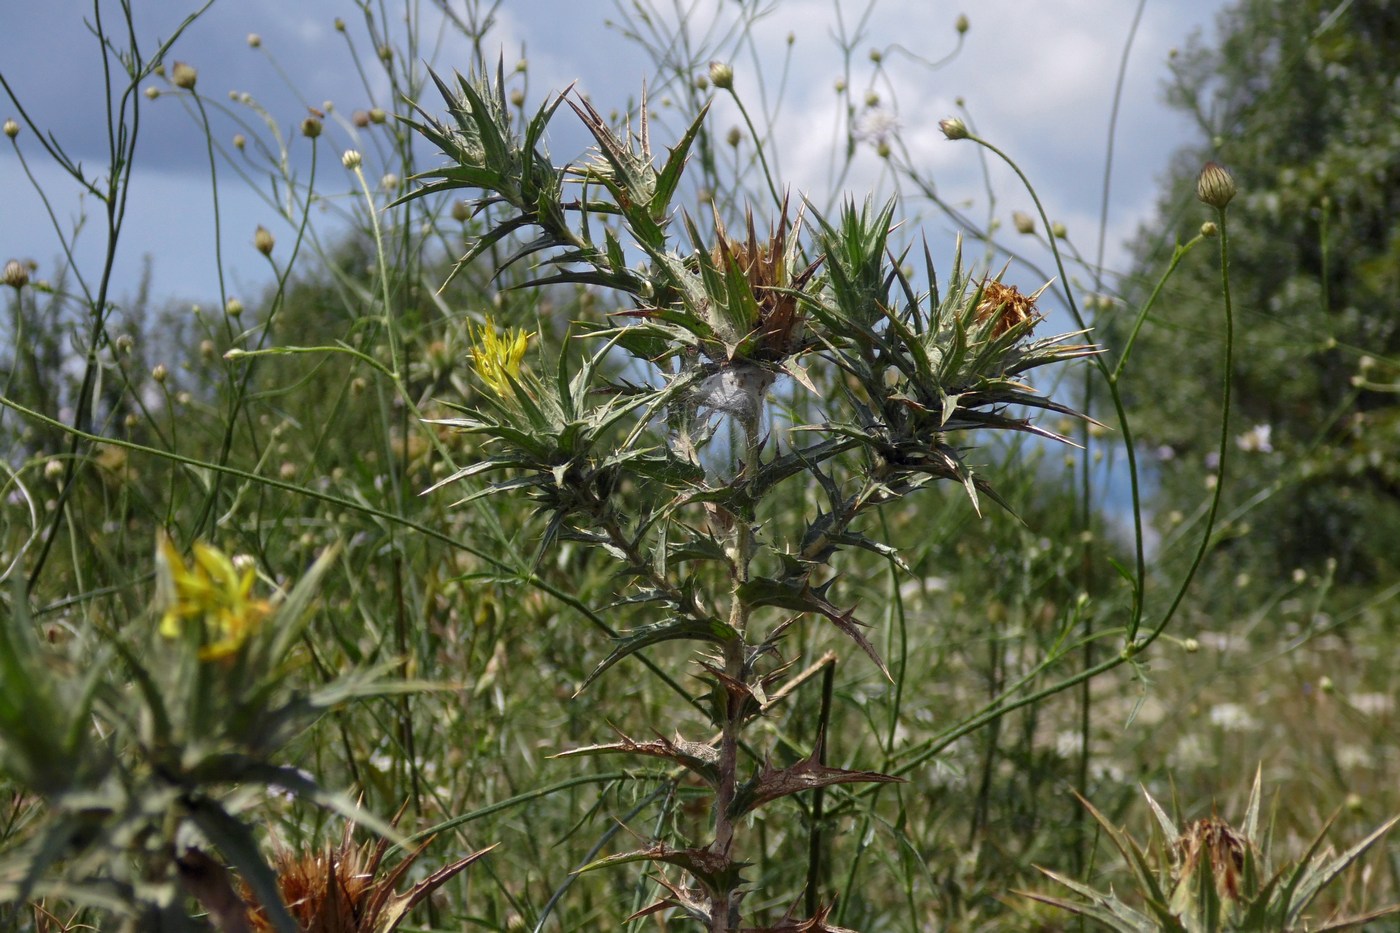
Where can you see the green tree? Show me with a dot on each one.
(1299, 100)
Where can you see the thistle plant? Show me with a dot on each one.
(623, 450)
(144, 750)
(1211, 877)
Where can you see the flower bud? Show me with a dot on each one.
(360, 118)
(390, 182)
(953, 128)
(1210, 229)
(311, 127)
(721, 75)
(263, 240)
(239, 141)
(124, 343)
(1058, 231)
(151, 92)
(461, 211)
(734, 136)
(877, 56)
(11, 128)
(377, 115)
(160, 373)
(339, 24)
(961, 24)
(184, 76)
(1215, 186)
(206, 350)
(1190, 645)
(350, 159)
(254, 40)
(1023, 222)
(234, 308)
(53, 470)
(15, 275)
(517, 97)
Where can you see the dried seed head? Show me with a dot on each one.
(184, 76)
(722, 75)
(1212, 839)
(1006, 306)
(1215, 185)
(15, 275)
(263, 240)
(11, 128)
(953, 128)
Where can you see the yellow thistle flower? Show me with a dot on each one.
(496, 357)
(209, 592)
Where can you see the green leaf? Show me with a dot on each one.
(679, 629)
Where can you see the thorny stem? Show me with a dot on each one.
(724, 905)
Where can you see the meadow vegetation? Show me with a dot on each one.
(637, 542)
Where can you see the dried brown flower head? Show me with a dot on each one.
(341, 889)
(1007, 306)
(764, 263)
(1214, 839)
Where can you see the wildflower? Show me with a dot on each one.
(722, 75)
(350, 159)
(1256, 439)
(263, 240)
(390, 182)
(211, 594)
(1215, 186)
(497, 358)
(184, 76)
(160, 373)
(1007, 305)
(15, 275)
(953, 128)
(11, 128)
(876, 125)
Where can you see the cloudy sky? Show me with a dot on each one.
(1037, 78)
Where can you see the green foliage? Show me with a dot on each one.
(1298, 100)
(1213, 878)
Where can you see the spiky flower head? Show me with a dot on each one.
(1006, 307)
(1215, 185)
(497, 357)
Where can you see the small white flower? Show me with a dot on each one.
(876, 126)
(1256, 439)
(1232, 717)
